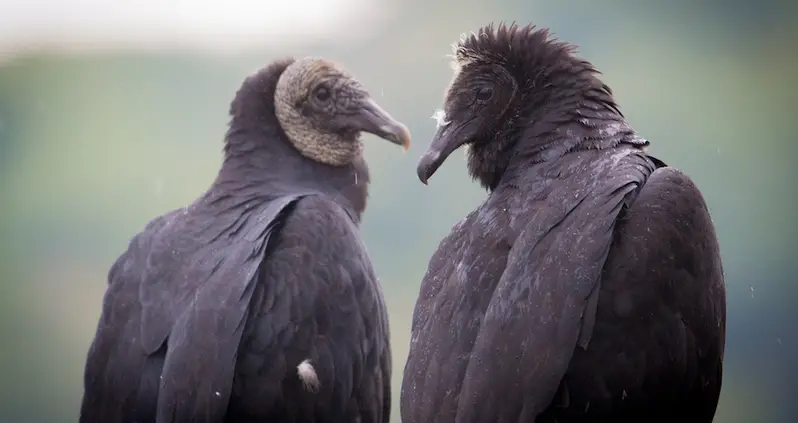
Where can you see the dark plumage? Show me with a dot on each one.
(588, 286)
(257, 302)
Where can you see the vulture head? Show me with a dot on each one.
(516, 92)
(323, 109)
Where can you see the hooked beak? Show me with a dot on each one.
(446, 139)
(373, 119)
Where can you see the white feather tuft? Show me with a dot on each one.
(307, 374)
(440, 118)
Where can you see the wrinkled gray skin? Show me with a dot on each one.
(588, 286)
(258, 301)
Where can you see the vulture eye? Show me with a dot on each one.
(484, 94)
(322, 93)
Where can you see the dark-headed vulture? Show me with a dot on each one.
(257, 302)
(588, 286)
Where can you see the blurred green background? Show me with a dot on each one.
(92, 146)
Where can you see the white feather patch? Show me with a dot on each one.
(440, 118)
(307, 374)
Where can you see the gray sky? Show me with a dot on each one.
(211, 25)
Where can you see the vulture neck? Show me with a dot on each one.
(582, 121)
(261, 162)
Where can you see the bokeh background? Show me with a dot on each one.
(112, 113)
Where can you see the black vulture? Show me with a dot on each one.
(588, 286)
(258, 301)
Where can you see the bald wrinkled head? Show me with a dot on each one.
(323, 109)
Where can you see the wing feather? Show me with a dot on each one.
(660, 331)
(203, 342)
(175, 307)
(544, 305)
